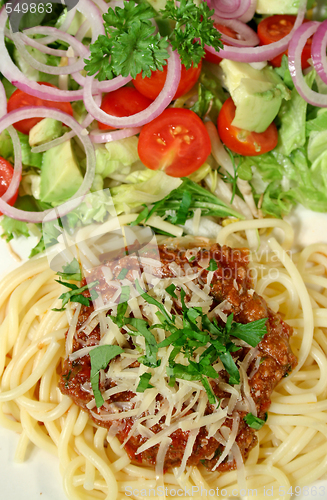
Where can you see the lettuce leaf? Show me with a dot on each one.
(292, 116)
(152, 186)
(282, 181)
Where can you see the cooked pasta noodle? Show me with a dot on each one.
(292, 447)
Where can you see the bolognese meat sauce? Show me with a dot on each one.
(231, 291)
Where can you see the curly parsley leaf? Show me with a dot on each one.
(130, 45)
(100, 358)
(255, 422)
(193, 30)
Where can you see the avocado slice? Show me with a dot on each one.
(44, 131)
(60, 174)
(257, 94)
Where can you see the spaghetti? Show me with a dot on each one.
(292, 445)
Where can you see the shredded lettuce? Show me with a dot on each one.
(151, 186)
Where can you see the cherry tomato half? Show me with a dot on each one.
(176, 142)
(153, 85)
(19, 99)
(226, 31)
(125, 101)
(6, 175)
(242, 141)
(273, 28)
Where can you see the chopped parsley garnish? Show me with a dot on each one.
(255, 422)
(100, 358)
(171, 290)
(213, 266)
(131, 45)
(144, 382)
(122, 274)
(71, 271)
(170, 206)
(76, 294)
(197, 332)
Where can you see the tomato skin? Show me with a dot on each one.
(273, 28)
(6, 175)
(125, 101)
(226, 31)
(242, 141)
(176, 142)
(20, 99)
(153, 85)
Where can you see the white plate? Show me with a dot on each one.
(39, 476)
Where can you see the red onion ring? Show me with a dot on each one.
(265, 52)
(318, 51)
(3, 100)
(68, 135)
(45, 68)
(294, 62)
(230, 9)
(105, 86)
(100, 137)
(249, 13)
(36, 44)
(249, 37)
(82, 30)
(75, 200)
(17, 149)
(151, 112)
(15, 181)
(17, 78)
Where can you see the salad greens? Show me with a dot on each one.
(294, 172)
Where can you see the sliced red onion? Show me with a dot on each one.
(55, 142)
(45, 68)
(230, 9)
(248, 37)
(100, 137)
(247, 16)
(82, 30)
(75, 200)
(36, 44)
(318, 51)
(13, 187)
(294, 62)
(265, 52)
(68, 135)
(9, 69)
(17, 78)
(3, 100)
(151, 112)
(63, 27)
(105, 86)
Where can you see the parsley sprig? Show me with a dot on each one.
(131, 45)
(193, 30)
